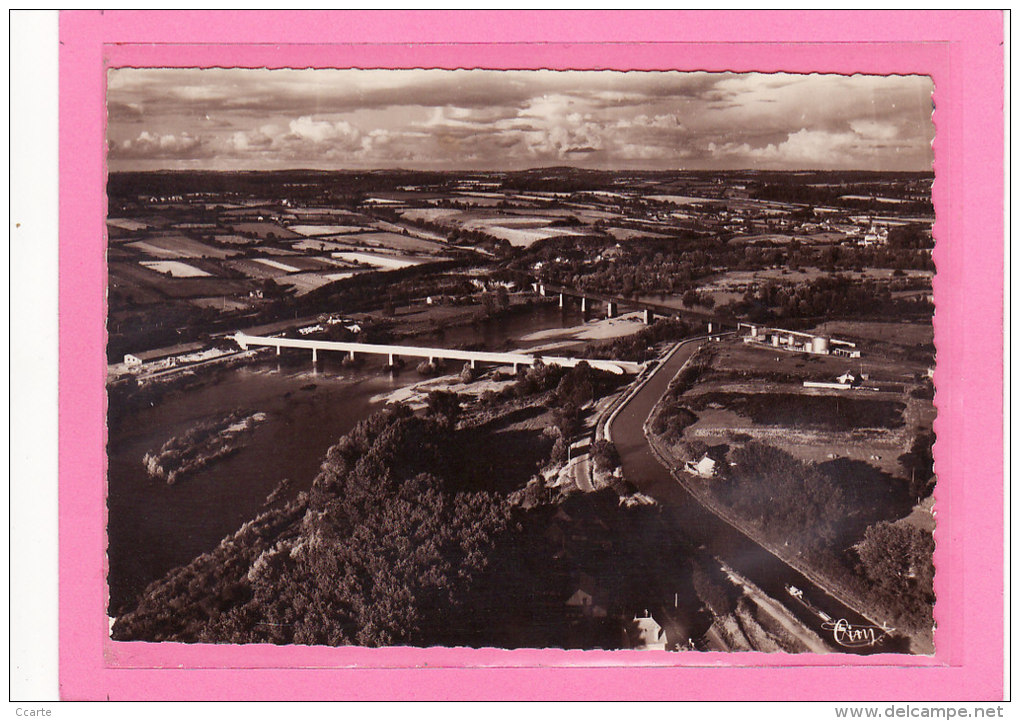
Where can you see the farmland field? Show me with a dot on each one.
(429, 215)
(256, 270)
(409, 230)
(265, 230)
(523, 237)
(234, 239)
(317, 230)
(910, 334)
(178, 246)
(803, 411)
(219, 303)
(682, 199)
(630, 233)
(277, 264)
(303, 283)
(397, 242)
(388, 262)
(175, 269)
(126, 224)
(320, 244)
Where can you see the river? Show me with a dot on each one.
(154, 527)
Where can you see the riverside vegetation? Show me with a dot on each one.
(201, 445)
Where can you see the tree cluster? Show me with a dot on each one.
(380, 552)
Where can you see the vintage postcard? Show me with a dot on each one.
(594, 358)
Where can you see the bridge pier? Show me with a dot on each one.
(474, 364)
(709, 326)
(315, 355)
(611, 309)
(584, 304)
(561, 300)
(277, 350)
(393, 359)
(350, 355)
(541, 290)
(649, 316)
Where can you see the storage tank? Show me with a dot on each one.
(754, 331)
(775, 340)
(820, 345)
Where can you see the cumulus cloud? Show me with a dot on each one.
(156, 145)
(338, 134)
(512, 119)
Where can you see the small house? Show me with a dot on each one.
(645, 633)
(585, 598)
(704, 467)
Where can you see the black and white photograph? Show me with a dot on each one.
(521, 359)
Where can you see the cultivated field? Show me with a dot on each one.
(387, 262)
(264, 230)
(179, 246)
(175, 269)
(396, 241)
(126, 224)
(303, 283)
(318, 230)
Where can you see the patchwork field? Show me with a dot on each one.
(303, 283)
(179, 246)
(321, 244)
(317, 230)
(630, 233)
(264, 230)
(396, 241)
(523, 237)
(388, 262)
(234, 239)
(126, 224)
(252, 269)
(277, 265)
(429, 215)
(175, 269)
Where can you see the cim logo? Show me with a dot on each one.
(850, 636)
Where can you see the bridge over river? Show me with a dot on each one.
(613, 303)
(393, 352)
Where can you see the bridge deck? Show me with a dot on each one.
(520, 358)
(658, 308)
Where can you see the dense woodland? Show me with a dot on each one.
(405, 538)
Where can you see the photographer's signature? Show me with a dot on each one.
(848, 635)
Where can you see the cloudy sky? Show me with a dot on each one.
(226, 119)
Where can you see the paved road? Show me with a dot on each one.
(643, 469)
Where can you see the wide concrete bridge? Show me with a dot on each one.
(393, 352)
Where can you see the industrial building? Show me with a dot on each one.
(792, 340)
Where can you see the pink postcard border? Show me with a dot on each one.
(960, 50)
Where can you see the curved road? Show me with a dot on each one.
(702, 526)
